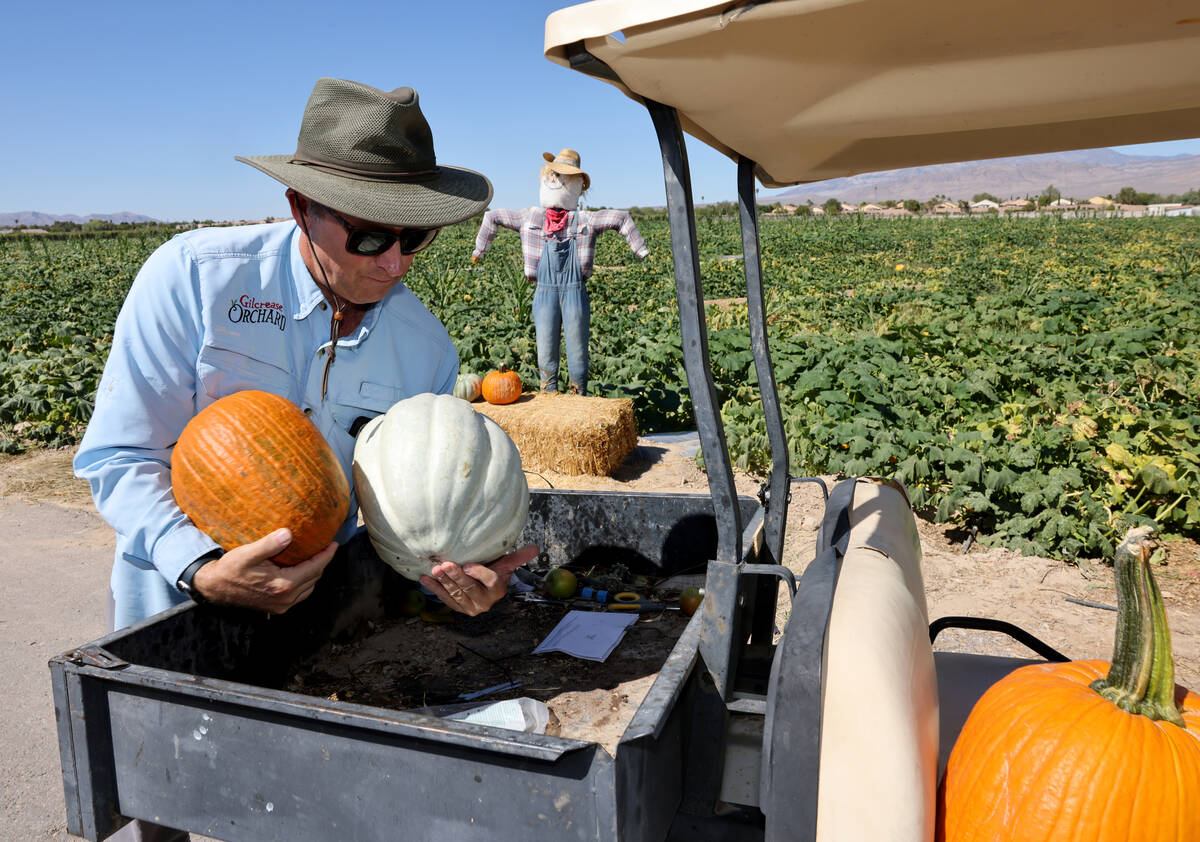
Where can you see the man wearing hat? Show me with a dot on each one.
(558, 242)
(313, 309)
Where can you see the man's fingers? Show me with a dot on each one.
(269, 545)
(504, 567)
(475, 588)
(311, 568)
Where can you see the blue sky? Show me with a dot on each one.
(132, 106)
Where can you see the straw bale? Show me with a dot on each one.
(567, 434)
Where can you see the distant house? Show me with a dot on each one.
(1162, 209)
(946, 207)
(896, 211)
(1061, 203)
(985, 205)
(1100, 200)
(1183, 210)
(817, 210)
(870, 207)
(849, 208)
(1016, 205)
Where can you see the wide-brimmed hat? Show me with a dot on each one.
(567, 163)
(369, 153)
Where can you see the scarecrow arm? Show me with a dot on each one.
(503, 217)
(622, 222)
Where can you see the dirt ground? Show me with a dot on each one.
(57, 555)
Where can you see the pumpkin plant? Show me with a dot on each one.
(502, 386)
(438, 481)
(252, 462)
(1067, 752)
(468, 387)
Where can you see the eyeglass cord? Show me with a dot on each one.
(334, 320)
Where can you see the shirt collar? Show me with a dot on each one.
(308, 294)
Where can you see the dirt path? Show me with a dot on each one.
(57, 554)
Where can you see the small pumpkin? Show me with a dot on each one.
(1063, 752)
(438, 481)
(502, 386)
(468, 387)
(252, 462)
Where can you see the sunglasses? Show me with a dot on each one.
(370, 242)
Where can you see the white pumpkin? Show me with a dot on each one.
(438, 481)
(468, 387)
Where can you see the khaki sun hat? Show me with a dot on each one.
(567, 163)
(369, 153)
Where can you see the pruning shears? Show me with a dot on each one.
(624, 601)
(538, 599)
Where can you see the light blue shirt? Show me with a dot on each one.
(213, 312)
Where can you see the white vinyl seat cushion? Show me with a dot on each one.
(879, 731)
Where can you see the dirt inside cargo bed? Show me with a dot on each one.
(410, 663)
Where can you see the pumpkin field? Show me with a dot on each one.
(1036, 380)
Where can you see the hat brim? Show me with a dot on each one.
(451, 195)
(568, 169)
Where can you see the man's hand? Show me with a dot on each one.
(246, 576)
(474, 588)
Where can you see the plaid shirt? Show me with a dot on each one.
(529, 222)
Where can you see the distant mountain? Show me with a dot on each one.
(39, 219)
(1079, 175)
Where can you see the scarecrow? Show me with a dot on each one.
(559, 241)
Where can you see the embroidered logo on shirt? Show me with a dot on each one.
(249, 310)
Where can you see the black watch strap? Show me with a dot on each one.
(184, 583)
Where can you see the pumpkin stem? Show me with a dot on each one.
(1142, 677)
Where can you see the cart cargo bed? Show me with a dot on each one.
(182, 720)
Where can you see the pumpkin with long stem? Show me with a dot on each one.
(502, 386)
(1066, 752)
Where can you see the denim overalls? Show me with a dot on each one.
(561, 301)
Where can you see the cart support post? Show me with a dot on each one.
(778, 488)
(778, 485)
(689, 291)
(718, 642)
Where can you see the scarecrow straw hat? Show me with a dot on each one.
(567, 163)
(369, 153)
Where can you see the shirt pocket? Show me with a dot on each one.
(223, 371)
(354, 409)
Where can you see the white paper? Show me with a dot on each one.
(591, 635)
(522, 714)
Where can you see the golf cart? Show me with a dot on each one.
(835, 729)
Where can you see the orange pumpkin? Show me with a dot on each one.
(250, 463)
(502, 386)
(1062, 752)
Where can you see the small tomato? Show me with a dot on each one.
(689, 600)
(561, 583)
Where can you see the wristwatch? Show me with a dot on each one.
(184, 582)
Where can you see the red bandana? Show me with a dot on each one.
(556, 220)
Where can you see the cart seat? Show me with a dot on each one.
(879, 728)
(891, 708)
(962, 679)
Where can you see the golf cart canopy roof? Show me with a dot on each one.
(817, 89)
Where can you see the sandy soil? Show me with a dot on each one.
(57, 554)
